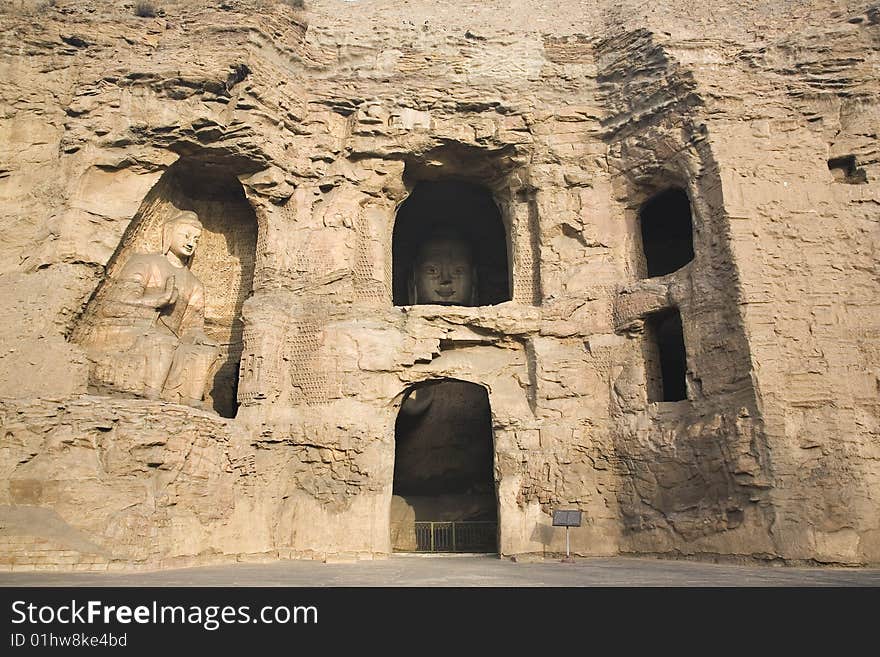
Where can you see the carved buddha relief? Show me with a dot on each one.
(148, 336)
(443, 272)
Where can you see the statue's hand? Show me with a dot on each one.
(167, 297)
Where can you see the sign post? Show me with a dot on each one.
(567, 518)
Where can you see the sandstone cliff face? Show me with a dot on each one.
(299, 134)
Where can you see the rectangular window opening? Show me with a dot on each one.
(665, 357)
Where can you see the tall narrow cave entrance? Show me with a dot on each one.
(444, 497)
(665, 357)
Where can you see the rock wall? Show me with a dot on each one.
(298, 135)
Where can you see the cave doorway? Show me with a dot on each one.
(444, 497)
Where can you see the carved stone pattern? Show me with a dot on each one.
(368, 286)
(308, 376)
(524, 283)
(260, 362)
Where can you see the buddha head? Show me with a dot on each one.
(443, 271)
(180, 235)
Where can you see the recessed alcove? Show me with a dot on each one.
(845, 169)
(223, 262)
(667, 232)
(451, 223)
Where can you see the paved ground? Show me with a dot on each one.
(417, 570)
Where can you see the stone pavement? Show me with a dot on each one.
(466, 571)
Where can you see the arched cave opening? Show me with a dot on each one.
(667, 232)
(450, 247)
(665, 357)
(444, 484)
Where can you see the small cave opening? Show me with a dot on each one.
(444, 496)
(450, 247)
(667, 232)
(845, 169)
(665, 357)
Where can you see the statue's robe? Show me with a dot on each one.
(151, 351)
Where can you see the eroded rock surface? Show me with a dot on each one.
(296, 135)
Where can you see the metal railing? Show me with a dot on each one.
(459, 536)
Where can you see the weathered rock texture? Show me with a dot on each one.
(296, 135)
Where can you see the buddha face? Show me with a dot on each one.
(184, 239)
(444, 273)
